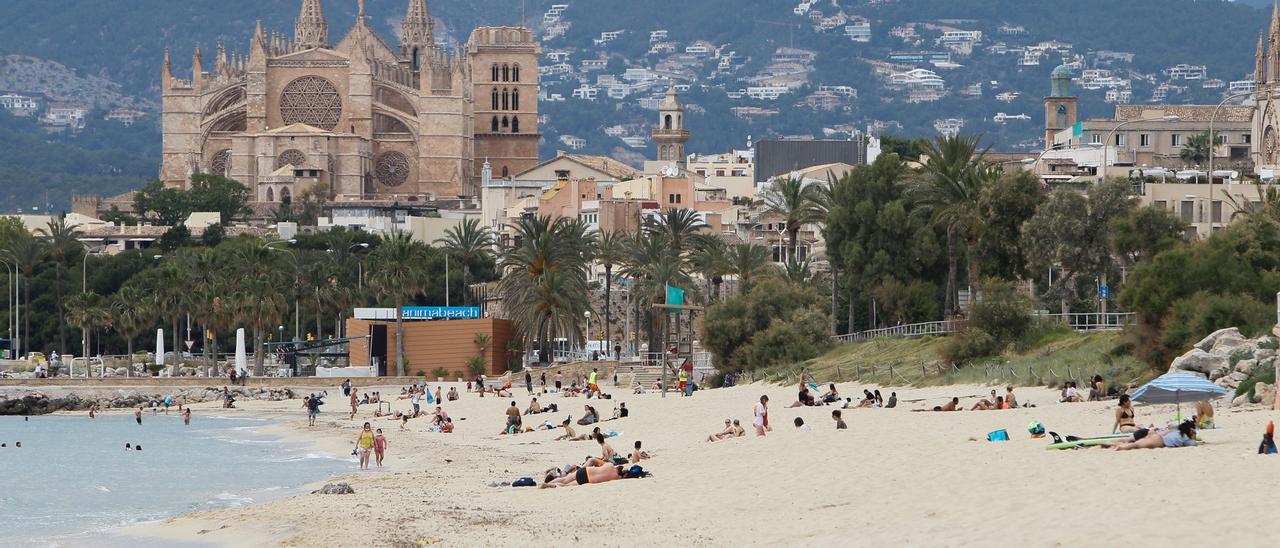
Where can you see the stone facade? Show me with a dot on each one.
(364, 119)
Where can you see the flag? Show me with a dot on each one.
(675, 295)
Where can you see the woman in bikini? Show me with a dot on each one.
(1182, 436)
(726, 433)
(1124, 416)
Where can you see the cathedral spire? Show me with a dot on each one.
(311, 30)
(1275, 21)
(1259, 64)
(416, 34)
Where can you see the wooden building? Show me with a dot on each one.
(431, 344)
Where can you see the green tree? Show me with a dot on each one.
(748, 261)
(1006, 203)
(161, 204)
(213, 235)
(797, 203)
(85, 310)
(470, 243)
(27, 253)
(176, 237)
(226, 196)
(1071, 235)
(544, 280)
(1144, 232)
(130, 314)
(1196, 149)
(679, 225)
(611, 249)
(63, 248)
(710, 259)
(774, 322)
(950, 194)
(396, 272)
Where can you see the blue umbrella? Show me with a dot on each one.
(1175, 387)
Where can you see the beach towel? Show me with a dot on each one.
(998, 435)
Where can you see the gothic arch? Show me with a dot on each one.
(515, 124)
(515, 99)
(506, 122)
(271, 194)
(515, 73)
(292, 157)
(394, 99)
(494, 95)
(231, 121)
(506, 73)
(504, 172)
(225, 100)
(493, 128)
(506, 99)
(666, 122)
(495, 72)
(383, 123)
(285, 197)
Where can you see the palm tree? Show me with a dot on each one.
(544, 282)
(470, 242)
(63, 245)
(655, 263)
(798, 204)
(610, 251)
(679, 226)
(397, 271)
(27, 253)
(256, 298)
(130, 315)
(797, 272)
(84, 310)
(710, 258)
(746, 261)
(1196, 150)
(953, 183)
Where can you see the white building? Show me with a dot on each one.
(917, 79)
(858, 29)
(60, 116)
(767, 93)
(1186, 72)
(19, 105)
(573, 142)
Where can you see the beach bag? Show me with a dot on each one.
(998, 435)
(524, 482)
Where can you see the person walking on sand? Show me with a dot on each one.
(528, 381)
(558, 382)
(137, 416)
(543, 379)
(312, 403)
(186, 417)
(364, 445)
(761, 421)
(379, 446)
(355, 404)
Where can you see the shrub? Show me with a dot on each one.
(475, 365)
(1002, 311)
(1238, 355)
(773, 322)
(799, 336)
(421, 373)
(968, 345)
(1269, 343)
(440, 372)
(1261, 373)
(1203, 313)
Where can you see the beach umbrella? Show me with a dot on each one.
(1178, 386)
(242, 363)
(160, 347)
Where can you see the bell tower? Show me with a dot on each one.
(670, 134)
(1060, 106)
(311, 29)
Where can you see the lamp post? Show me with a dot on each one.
(1213, 141)
(297, 323)
(359, 264)
(9, 293)
(587, 347)
(1106, 143)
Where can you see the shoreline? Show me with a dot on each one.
(894, 476)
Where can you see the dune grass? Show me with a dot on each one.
(1047, 359)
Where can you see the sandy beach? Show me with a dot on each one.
(894, 476)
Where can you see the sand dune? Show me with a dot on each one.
(893, 477)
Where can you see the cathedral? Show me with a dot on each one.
(1266, 120)
(364, 119)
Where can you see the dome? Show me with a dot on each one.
(1062, 71)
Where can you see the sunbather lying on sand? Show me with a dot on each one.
(952, 405)
(1183, 436)
(594, 474)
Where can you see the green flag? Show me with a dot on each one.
(675, 295)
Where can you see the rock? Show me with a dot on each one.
(1218, 373)
(1208, 342)
(1264, 353)
(1242, 399)
(1264, 393)
(334, 489)
(1228, 343)
(1198, 361)
(1245, 367)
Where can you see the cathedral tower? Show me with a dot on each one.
(416, 36)
(311, 30)
(670, 135)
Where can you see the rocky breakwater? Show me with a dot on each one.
(1229, 359)
(34, 402)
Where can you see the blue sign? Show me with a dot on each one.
(1104, 292)
(440, 312)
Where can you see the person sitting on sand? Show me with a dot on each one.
(840, 425)
(893, 401)
(868, 399)
(832, 395)
(1124, 416)
(606, 452)
(738, 430)
(1183, 436)
(534, 408)
(569, 434)
(453, 393)
(1008, 397)
(801, 426)
(595, 474)
(985, 404)
(591, 417)
(1097, 389)
(1070, 394)
(513, 418)
(726, 433)
(761, 421)
(638, 455)
(879, 399)
(1204, 415)
(804, 399)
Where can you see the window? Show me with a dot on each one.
(506, 122)
(671, 198)
(1119, 140)
(494, 96)
(1246, 138)
(515, 125)
(1175, 140)
(1187, 213)
(506, 99)
(494, 126)
(495, 73)
(719, 173)
(1161, 204)
(515, 99)
(677, 198)
(702, 172)
(562, 174)
(1096, 138)
(506, 73)
(515, 73)
(1144, 140)
(666, 122)
(504, 171)
(1216, 212)
(1221, 138)
(271, 194)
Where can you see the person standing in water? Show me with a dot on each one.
(137, 416)
(364, 445)
(186, 417)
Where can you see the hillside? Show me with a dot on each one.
(720, 48)
(1049, 361)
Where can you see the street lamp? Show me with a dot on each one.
(359, 264)
(1102, 166)
(10, 293)
(587, 315)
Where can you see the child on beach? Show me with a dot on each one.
(840, 425)
(379, 446)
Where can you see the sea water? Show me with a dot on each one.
(72, 480)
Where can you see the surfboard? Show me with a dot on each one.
(1088, 442)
